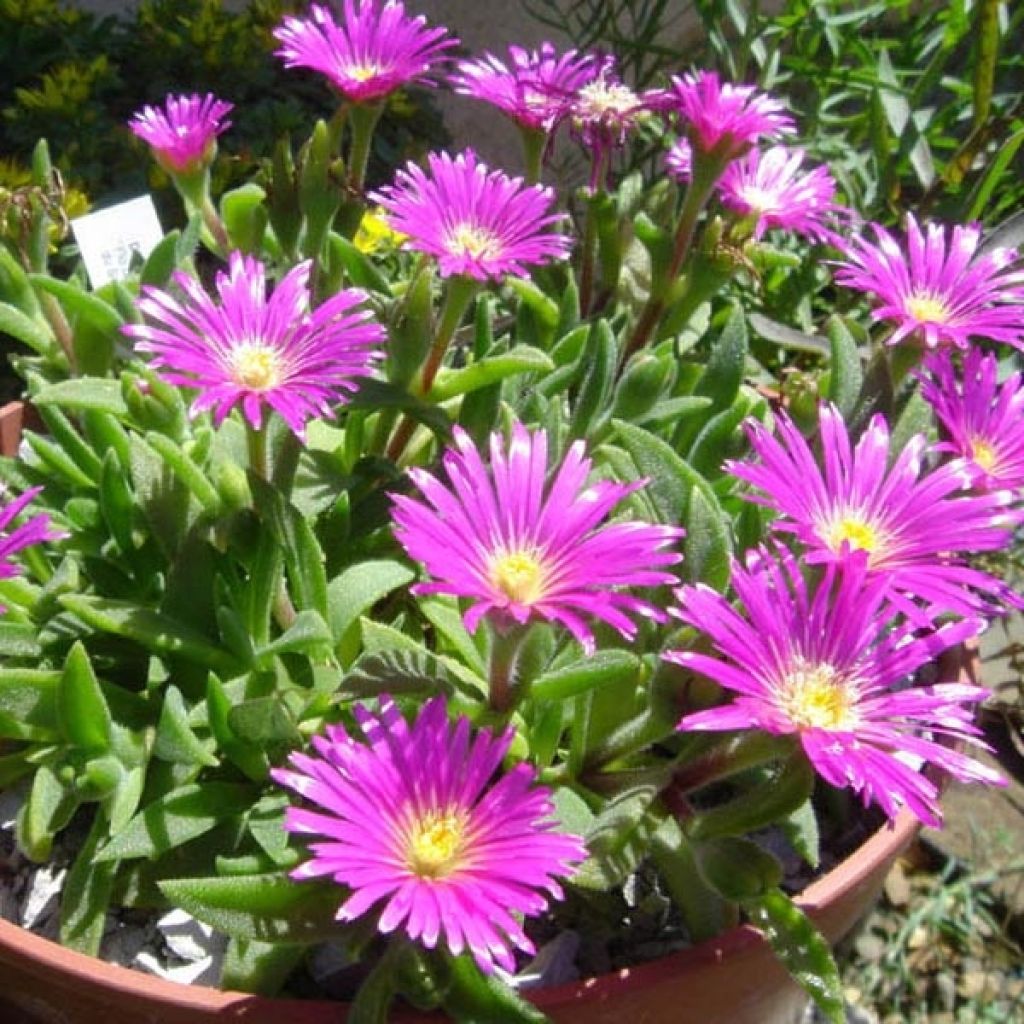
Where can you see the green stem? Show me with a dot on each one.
(461, 291)
(505, 647)
(216, 227)
(364, 120)
(259, 456)
(706, 171)
(534, 141)
(587, 257)
(61, 328)
(734, 755)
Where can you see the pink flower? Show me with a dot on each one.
(909, 524)
(520, 547)
(534, 88)
(259, 352)
(474, 221)
(937, 295)
(407, 818)
(183, 134)
(984, 419)
(770, 187)
(374, 50)
(605, 110)
(826, 664)
(724, 119)
(33, 531)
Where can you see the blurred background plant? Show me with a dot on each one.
(75, 79)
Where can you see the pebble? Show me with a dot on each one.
(40, 906)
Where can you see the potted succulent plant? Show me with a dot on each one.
(408, 575)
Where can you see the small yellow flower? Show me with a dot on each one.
(375, 235)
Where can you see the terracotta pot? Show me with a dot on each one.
(734, 979)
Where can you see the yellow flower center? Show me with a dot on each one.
(474, 241)
(256, 367)
(520, 576)
(854, 530)
(435, 844)
(363, 72)
(927, 308)
(816, 697)
(984, 454)
(604, 99)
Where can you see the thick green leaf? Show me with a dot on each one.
(28, 704)
(81, 708)
(443, 614)
(81, 393)
(776, 797)
(259, 967)
(161, 262)
(671, 479)
(158, 633)
(303, 557)
(355, 591)
(787, 337)
(802, 950)
(398, 672)
(26, 329)
(377, 394)
(707, 546)
(244, 216)
(846, 374)
(50, 805)
(484, 999)
(180, 816)
(261, 908)
(86, 895)
(308, 634)
(175, 740)
(358, 266)
(19, 640)
(600, 669)
(723, 373)
(618, 839)
(738, 869)
(490, 370)
(915, 418)
(372, 1004)
(79, 304)
(599, 360)
(263, 720)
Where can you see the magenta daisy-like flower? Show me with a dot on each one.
(826, 664)
(183, 133)
(32, 531)
(373, 51)
(605, 110)
(534, 88)
(911, 524)
(770, 187)
(983, 418)
(937, 294)
(474, 221)
(722, 118)
(520, 547)
(409, 819)
(250, 350)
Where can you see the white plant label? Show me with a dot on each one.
(108, 239)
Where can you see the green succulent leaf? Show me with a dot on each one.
(28, 704)
(175, 739)
(180, 816)
(603, 668)
(86, 894)
(737, 869)
(81, 393)
(801, 948)
(84, 716)
(354, 592)
(267, 907)
(259, 967)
